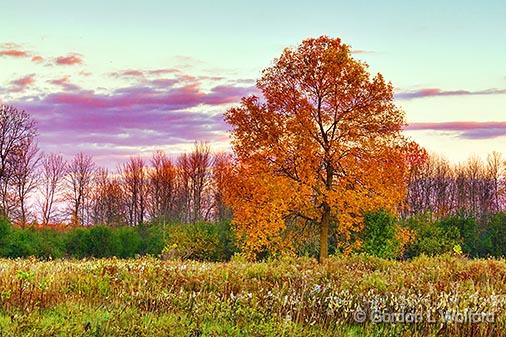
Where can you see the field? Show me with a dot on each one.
(286, 297)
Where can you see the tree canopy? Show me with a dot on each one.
(321, 146)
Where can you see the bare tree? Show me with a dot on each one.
(53, 172)
(194, 179)
(221, 170)
(25, 161)
(16, 129)
(162, 187)
(496, 173)
(474, 188)
(135, 186)
(79, 178)
(108, 201)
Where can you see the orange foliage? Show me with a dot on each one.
(41, 226)
(322, 146)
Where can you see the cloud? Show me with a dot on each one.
(140, 74)
(132, 118)
(465, 130)
(436, 92)
(15, 50)
(64, 83)
(128, 73)
(71, 59)
(361, 51)
(37, 58)
(22, 83)
(14, 53)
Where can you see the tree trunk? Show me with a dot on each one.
(326, 215)
(324, 233)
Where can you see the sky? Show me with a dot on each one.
(121, 78)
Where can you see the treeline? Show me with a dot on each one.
(176, 207)
(199, 241)
(46, 189)
(388, 236)
(384, 235)
(475, 188)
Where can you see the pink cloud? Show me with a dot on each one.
(138, 73)
(71, 59)
(128, 73)
(436, 92)
(467, 130)
(64, 83)
(21, 83)
(163, 71)
(14, 53)
(361, 51)
(37, 58)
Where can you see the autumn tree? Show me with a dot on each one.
(322, 146)
(51, 186)
(79, 178)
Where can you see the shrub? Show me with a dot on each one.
(153, 238)
(5, 230)
(432, 237)
(51, 243)
(201, 241)
(77, 242)
(379, 235)
(469, 231)
(130, 241)
(22, 242)
(102, 242)
(496, 236)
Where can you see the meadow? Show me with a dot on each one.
(325, 219)
(344, 296)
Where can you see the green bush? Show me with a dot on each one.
(96, 241)
(379, 235)
(201, 241)
(474, 239)
(5, 230)
(130, 241)
(22, 242)
(51, 244)
(102, 242)
(496, 235)
(77, 242)
(432, 237)
(153, 238)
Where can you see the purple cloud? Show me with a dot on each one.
(436, 92)
(64, 83)
(129, 118)
(466, 130)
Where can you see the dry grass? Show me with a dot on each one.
(284, 297)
